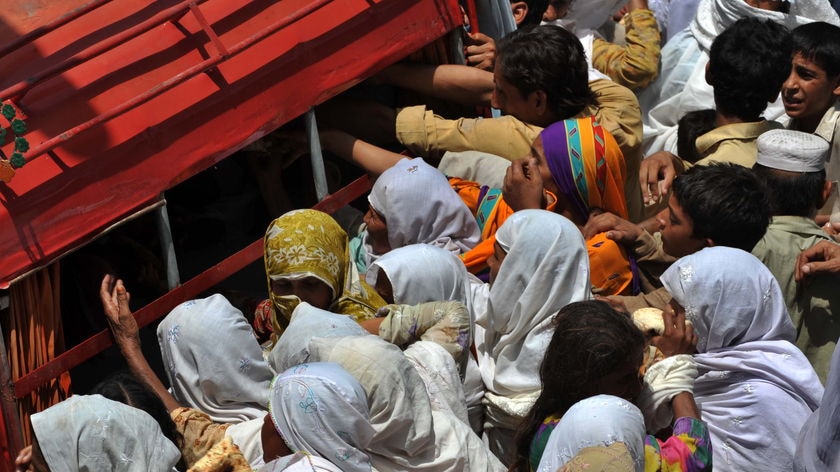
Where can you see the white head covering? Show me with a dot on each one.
(755, 389)
(546, 268)
(213, 361)
(300, 462)
(714, 16)
(422, 273)
(92, 433)
(321, 409)
(792, 151)
(308, 322)
(408, 433)
(601, 420)
(819, 441)
(419, 206)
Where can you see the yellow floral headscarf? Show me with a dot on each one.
(309, 243)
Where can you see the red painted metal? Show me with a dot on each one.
(97, 50)
(42, 30)
(178, 79)
(87, 183)
(190, 289)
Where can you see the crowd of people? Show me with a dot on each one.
(630, 264)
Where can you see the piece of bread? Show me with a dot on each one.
(650, 321)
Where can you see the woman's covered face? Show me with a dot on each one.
(383, 286)
(378, 231)
(311, 290)
(563, 205)
(495, 261)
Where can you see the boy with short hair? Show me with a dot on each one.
(811, 92)
(720, 204)
(748, 62)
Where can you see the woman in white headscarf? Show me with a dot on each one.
(421, 273)
(320, 409)
(602, 421)
(819, 441)
(539, 266)
(755, 389)
(90, 432)
(412, 203)
(334, 417)
(682, 86)
(410, 432)
(213, 361)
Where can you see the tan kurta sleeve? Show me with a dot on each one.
(635, 64)
(225, 456)
(199, 431)
(428, 135)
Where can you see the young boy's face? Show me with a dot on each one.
(677, 230)
(808, 92)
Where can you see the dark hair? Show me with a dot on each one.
(791, 193)
(123, 387)
(748, 63)
(690, 127)
(590, 341)
(726, 203)
(536, 8)
(550, 59)
(819, 42)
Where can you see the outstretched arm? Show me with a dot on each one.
(373, 159)
(456, 83)
(126, 334)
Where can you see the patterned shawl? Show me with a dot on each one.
(320, 409)
(587, 165)
(309, 243)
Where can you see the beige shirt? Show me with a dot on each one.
(735, 143)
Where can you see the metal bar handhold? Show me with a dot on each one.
(208, 30)
(319, 174)
(167, 247)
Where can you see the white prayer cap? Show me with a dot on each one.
(792, 151)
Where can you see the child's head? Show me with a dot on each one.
(528, 12)
(594, 350)
(792, 166)
(814, 81)
(720, 204)
(690, 127)
(748, 62)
